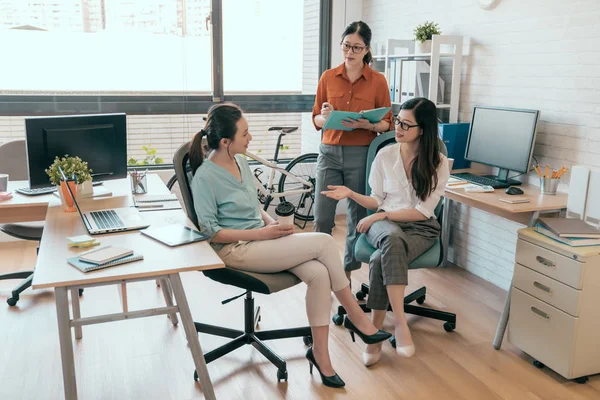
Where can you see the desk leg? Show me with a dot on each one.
(76, 311)
(166, 289)
(446, 229)
(66, 343)
(192, 336)
(506, 312)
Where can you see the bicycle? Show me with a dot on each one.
(297, 181)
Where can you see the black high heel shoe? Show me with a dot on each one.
(332, 381)
(380, 336)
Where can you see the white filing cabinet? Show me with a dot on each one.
(555, 305)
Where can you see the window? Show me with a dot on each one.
(120, 46)
(270, 46)
(153, 60)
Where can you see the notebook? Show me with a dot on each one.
(104, 254)
(573, 242)
(570, 227)
(334, 121)
(175, 235)
(154, 198)
(514, 200)
(87, 267)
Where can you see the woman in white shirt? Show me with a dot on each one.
(407, 180)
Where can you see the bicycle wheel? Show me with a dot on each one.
(304, 167)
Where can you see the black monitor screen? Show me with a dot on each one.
(100, 140)
(502, 137)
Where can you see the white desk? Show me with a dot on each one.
(160, 263)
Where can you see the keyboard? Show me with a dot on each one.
(107, 219)
(38, 191)
(481, 180)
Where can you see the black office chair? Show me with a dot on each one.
(13, 161)
(433, 257)
(249, 281)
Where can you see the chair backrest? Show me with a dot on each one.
(183, 171)
(385, 139)
(13, 160)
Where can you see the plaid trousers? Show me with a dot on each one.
(397, 244)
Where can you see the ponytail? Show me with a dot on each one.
(368, 57)
(196, 153)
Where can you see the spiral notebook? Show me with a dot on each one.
(87, 267)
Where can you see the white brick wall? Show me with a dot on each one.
(540, 54)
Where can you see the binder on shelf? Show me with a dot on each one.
(455, 138)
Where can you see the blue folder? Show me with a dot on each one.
(334, 121)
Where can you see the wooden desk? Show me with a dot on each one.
(524, 213)
(22, 208)
(160, 262)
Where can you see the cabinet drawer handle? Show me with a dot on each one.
(540, 312)
(545, 262)
(542, 287)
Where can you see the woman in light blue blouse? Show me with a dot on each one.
(247, 238)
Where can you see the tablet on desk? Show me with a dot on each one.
(175, 235)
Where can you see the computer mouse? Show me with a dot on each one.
(514, 190)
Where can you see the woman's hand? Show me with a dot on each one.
(361, 123)
(275, 231)
(365, 224)
(337, 192)
(326, 108)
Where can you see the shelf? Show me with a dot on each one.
(425, 56)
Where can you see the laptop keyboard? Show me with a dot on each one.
(107, 219)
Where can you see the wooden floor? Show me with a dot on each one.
(149, 358)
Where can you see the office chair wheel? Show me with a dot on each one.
(308, 340)
(80, 291)
(12, 301)
(196, 376)
(421, 300)
(360, 295)
(338, 319)
(282, 375)
(449, 327)
(581, 380)
(538, 364)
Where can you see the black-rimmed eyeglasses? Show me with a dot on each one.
(355, 49)
(403, 125)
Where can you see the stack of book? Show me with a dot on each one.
(570, 231)
(103, 257)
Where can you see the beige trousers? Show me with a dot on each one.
(312, 257)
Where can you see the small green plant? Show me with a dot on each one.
(151, 158)
(425, 31)
(70, 166)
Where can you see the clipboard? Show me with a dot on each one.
(334, 121)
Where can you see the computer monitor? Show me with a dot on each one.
(100, 140)
(503, 138)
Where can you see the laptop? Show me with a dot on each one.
(110, 220)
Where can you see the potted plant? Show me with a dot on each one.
(71, 166)
(151, 157)
(423, 35)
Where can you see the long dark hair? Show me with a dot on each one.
(221, 123)
(424, 169)
(364, 32)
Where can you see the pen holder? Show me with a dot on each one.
(139, 183)
(548, 185)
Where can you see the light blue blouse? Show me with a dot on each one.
(223, 202)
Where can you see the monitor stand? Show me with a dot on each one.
(503, 177)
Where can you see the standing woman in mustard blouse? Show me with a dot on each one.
(351, 86)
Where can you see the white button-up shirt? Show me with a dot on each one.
(391, 188)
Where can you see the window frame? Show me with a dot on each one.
(73, 104)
